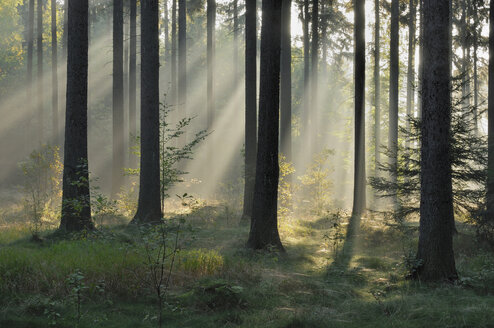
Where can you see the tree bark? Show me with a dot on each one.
(306, 101)
(211, 21)
(182, 63)
(118, 132)
(264, 226)
(54, 72)
(30, 51)
(314, 112)
(410, 68)
(235, 41)
(149, 206)
(393, 94)
(133, 78)
(286, 82)
(250, 107)
(377, 88)
(359, 80)
(40, 96)
(435, 249)
(173, 60)
(76, 207)
(490, 117)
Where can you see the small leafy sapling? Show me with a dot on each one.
(75, 282)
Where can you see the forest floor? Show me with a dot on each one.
(104, 278)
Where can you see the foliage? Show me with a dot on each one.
(316, 182)
(286, 188)
(41, 187)
(335, 236)
(75, 281)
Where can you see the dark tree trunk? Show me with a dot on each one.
(314, 76)
(30, 51)
(149, 206)
(359, 80)
(377, 88)
(118, 132)
(40, 96)
(235, 41)
(393, 93)
(173, 60)
(490, 117)
(166, 24)
(182, 62)
(475, 38)
(435, 249)
(54, 72)
(264, 226)
(421, 58)
(286, 82)
(411, 67)
(65, 28)
(133, 78)
(211, 21)
(76, 208)
(306, 101)
(250, 107)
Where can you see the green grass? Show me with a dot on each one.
(216, 282)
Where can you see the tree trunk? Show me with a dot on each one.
(149, 206)
(377, 88)
(435, 249)
(182, 63)
(359, 80)
(173, 60)
(235, 41)
(118, 136)
(393, 94)
(421, 58)
(30, 51)
(410, 68)
(475, 69)
(314, 112)
(133, 79)
(54, 72)
(40, 96)
(211, 21)
(490, 117)
(286, 82)
(65, 27)
(264, 226)
(306, 101)
(250, 107)
(76, 207)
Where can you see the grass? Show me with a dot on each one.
(216, 282)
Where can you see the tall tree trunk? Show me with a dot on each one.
(40, 96)
(410, 68)
(264, 226)
(118, 136)
(182, 62)
(377, 88)
(173, 60)
(250, 107)
(286, 82)
(475, 68)
(359, 80)
(76, 207)
(314, 113)
(133, 78)
(235, 41)
(306, 101)
(30, 51)
(65, 27)
(149, 206)
(393, 94)
(211, 21)
(54, 72)
(166, 24)
(490, 117)
(421, 58)
(435, 249)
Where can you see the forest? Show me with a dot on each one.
(246, 163)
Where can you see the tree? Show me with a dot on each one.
(39, 49)
(411, 64)
(182, 62)
(377, 88)
(264, 225)
(149, 206)
(117, 96)
(250, 108)
(314, 76)
(133, 77)
(30, 51)
(54, 70)
(490, 116)
(306, 103)
(286, 82)
(173, 60)
(393, 91)
(235, 41)
(76, 208)
(435, 249)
